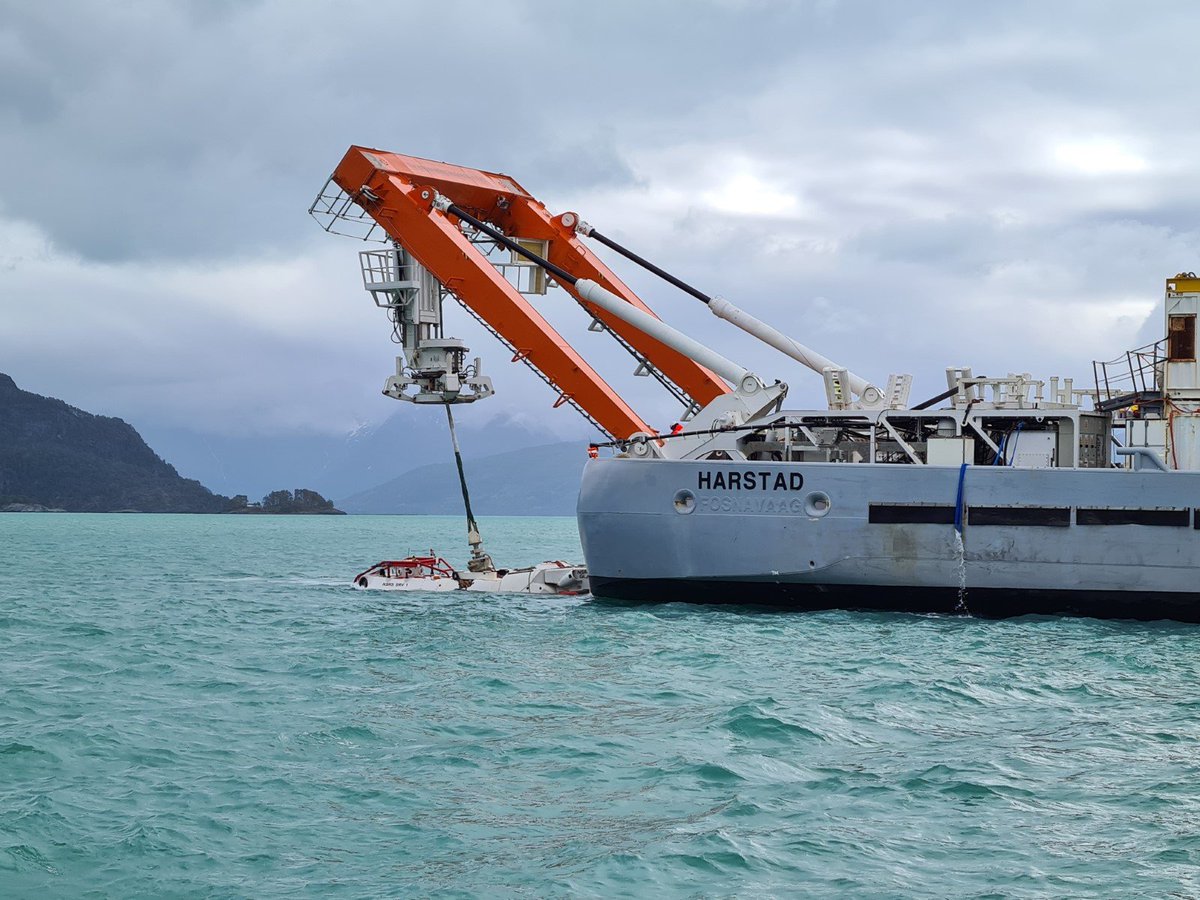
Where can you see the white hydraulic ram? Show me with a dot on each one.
(723, 309)
(662, 332)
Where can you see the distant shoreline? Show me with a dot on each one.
(38, 508)
(251, 511)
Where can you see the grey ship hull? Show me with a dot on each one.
(1109, 543)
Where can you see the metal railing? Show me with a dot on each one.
(1135, 375)
(339, 213)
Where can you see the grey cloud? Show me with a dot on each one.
(592, 162)
(933, 223)
(181, 117)
(175, 123)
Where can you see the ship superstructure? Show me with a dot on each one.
(1000, 496)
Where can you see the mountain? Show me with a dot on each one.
(536, 481)
(338, 466)
(249, 464)
(55, 455)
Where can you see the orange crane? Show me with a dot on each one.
(429, 210)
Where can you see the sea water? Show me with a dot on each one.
(203, 706)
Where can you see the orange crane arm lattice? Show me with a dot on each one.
(398, 193)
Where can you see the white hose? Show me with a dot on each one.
(661, 331)
(723, 309)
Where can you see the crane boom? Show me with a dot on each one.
(398, 193)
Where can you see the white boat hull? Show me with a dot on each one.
(414, 583)
(428, 575)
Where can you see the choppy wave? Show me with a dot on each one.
(199, 707)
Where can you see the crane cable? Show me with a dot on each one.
(472, 526)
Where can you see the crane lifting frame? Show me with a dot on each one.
(388, 196)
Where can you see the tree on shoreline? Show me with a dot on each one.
(301, 500)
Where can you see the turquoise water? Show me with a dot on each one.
(200, 706)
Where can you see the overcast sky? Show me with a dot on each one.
(903, 186)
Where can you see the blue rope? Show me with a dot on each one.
(1016, 435)
(958, 503)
